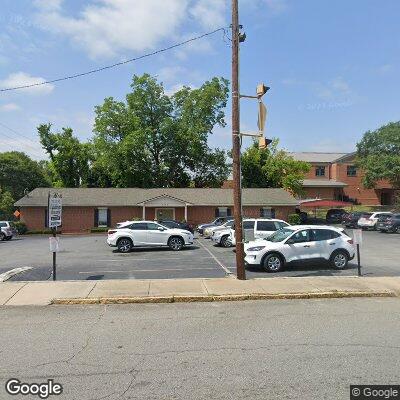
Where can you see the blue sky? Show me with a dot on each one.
(333, 67)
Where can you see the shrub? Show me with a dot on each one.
(41, 232)
(20, 227)
(99, 229)
(294, 219)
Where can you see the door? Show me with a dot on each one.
(326, 242)
(165, 213)
(300, 247)
(139, 233)
(156, 234)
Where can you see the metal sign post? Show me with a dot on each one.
(55, 220)
(357, 238)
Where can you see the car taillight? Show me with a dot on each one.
(111, 232)
(350, 241)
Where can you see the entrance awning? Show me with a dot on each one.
(321, 203)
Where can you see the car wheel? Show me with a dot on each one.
(225, 242)
(273, 263)
(176, 243)
(339, 259)
(8, 237)
(397, 230)
(124, 245)
(2, 236)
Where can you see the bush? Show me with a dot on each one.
(97, 230)
(294, 219)
(20, 227)
(42, 232)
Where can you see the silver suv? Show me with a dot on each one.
(7, 230)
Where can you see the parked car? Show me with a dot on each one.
(121, 224)
(369, 220)
(350, 220)
(208, 232)
(148, 234)
(335, 215)
(301, 243)
(390, 224)
(170, 223)
(218, 221)
(7, 230)
(258, 228)
(221, 236)
(380, 224)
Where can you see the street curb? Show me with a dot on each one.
(210, 298)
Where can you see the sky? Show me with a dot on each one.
(333, 66)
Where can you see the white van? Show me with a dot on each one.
(258, 228)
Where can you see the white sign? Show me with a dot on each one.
(357, 236)
(54, 244)
(55, 210)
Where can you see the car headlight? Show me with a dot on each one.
(257, 248)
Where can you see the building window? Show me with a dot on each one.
(320, 170)
(223, 212)
(351, 170)
(102, 217)
(267, 212)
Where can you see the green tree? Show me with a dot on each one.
(156, 140)
(6, 205)
(271, 167)
(18, 173)
(69, 158)
(378, 154)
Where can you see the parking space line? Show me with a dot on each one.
(215, 258)
(147, 259)
(146, 270)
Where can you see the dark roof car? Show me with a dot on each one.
(389, 224)
(170, 223)
(350, 220)
(335, 215)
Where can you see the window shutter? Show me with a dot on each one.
(272, 212)
(229, 212)
(108, 217)
(96, 217)
(46, 218)
(261, 212)
(216, 212)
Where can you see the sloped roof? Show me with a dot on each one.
(314, 157)
(323, 183)
(97, 197)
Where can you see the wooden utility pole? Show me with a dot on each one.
(237, 184)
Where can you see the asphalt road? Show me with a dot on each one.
(90, 258)
(285, 349)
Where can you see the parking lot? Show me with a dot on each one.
(90, 258)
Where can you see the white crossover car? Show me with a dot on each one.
(258, 228)
(301, 244)
(148, 234)
(209, 232)
(369, 221)
(222, 237)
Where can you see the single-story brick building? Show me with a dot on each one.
(86, 208)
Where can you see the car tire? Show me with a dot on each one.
(339, 259)
(176, 243)
(2, 236)
(124, 245)
(272, 263)
(397, 230)
(225, 242)
(8, 237)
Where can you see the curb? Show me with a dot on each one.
(210, 298)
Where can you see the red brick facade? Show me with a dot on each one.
(82, 219)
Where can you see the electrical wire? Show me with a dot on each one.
(93, 71)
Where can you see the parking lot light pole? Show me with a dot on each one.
(237, 190)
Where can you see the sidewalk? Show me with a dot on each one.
(181, 290)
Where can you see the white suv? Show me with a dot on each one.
(148, 233)
(7, 230)
(258, 228)
(301, 243)
(369, 220)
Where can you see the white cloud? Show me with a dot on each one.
(277, 6)
(30, 147)
(210, 13)
(8, 107)
(338, 87)
(21, 78)
(109, 27)
(385, 69)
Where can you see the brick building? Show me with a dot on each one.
(334, 176)
(86, 208)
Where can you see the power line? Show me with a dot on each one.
(93, 71)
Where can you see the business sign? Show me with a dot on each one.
(357, 236)
(55, 210)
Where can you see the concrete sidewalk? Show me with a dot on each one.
(219, 289)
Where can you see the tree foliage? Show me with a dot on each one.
(18, 172)
(6, 205)
(271, 167)
(378, 154)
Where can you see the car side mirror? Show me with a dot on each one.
(290, 241)
(160, 228)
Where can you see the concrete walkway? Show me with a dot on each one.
(143, 291)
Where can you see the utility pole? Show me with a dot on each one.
(237, 186)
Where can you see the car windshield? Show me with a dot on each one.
(279, 235)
